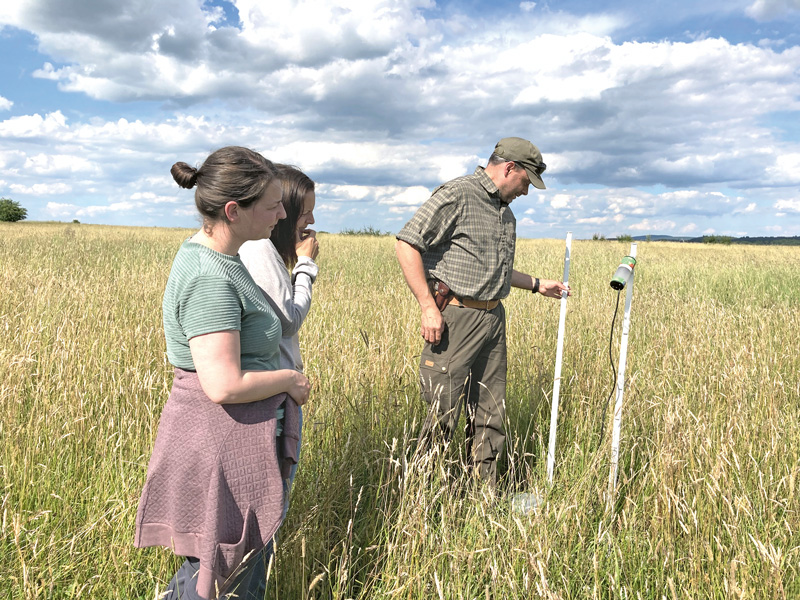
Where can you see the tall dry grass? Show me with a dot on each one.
(707, 504)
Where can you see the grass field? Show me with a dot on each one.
(708, 504)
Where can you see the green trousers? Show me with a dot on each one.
(468, 368)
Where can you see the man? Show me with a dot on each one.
(463, 236)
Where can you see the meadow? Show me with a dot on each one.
(708, 501)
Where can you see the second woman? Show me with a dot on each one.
(283, 267)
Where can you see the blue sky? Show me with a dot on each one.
(677, 118)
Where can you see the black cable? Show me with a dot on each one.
(613, 369)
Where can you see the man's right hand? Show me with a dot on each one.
(432, 324)
(410, 261)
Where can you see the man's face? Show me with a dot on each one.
(516, 183)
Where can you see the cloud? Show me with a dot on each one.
(62, 164)
(410, 197)
(592, 220)
(61, 210)
(766, 10)
(5, 103)
(152, 198)
(752, 207)
(654, 226)
(69, 210)
(33, 126)
(792, 206)
(402, 210)
(560, 201)
(381, 101)
(41, 189)
(785, 170)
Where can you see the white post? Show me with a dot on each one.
(551, 449)
(623, 356)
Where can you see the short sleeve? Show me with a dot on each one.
(434, 222)
(209, 304)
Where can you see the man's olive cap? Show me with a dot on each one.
(526, 154)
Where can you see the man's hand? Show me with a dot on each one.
(551, 288)
(432, 324)
(411, 264)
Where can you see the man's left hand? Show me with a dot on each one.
(551, 288)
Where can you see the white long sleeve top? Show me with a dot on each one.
(288, 294)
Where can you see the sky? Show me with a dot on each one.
(654, 118)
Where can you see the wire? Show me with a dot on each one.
(613, 369)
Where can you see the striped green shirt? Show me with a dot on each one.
(208, 291)
(466, 236)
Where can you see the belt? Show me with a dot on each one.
(469, 303)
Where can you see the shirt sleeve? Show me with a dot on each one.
(434, 222)
(209, 304)
(289, 296)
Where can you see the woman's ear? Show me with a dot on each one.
(232, 211)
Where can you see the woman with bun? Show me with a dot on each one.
(228, 432)
(283, 267)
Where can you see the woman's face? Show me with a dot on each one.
(260, 218)
(306, 218)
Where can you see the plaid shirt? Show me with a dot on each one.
(466, 235)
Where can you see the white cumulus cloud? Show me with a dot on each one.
(792, 205)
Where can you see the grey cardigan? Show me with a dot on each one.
(288, 294)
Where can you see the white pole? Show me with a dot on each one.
(551, 449)
(623, 356)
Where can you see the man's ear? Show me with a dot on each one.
(232, 211)
(507, 168)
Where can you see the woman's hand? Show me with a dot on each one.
(307, 244)
(299, 389)
(217, 360)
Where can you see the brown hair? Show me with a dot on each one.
(230, 173)
(296, 185)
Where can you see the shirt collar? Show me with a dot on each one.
(488, 184)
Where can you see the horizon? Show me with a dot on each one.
(381, 233)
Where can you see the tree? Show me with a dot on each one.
(717, 239)
(11, 211)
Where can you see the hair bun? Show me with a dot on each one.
(184, 175)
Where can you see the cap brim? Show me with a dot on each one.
(536, 181)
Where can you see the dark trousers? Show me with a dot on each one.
(250, 583)
(468, 368)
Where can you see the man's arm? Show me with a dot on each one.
(547, 287)
(411, 264)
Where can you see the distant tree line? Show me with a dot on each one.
(755, 241)
(717, 239)
(367, 230)
(768, 241)
(706, 239)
